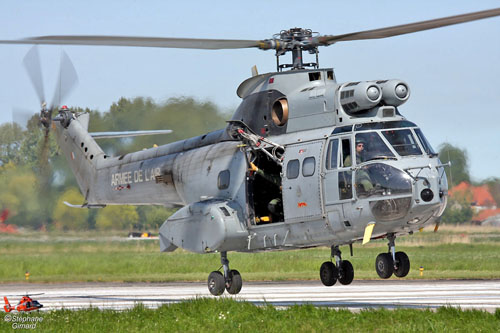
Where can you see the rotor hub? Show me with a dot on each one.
(295, 40)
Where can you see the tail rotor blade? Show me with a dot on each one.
(66, 81)
(44, 156)
(32, 65)
(21, 117)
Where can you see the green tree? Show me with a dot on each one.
(67, 218)
(152, 217)
(459, 208)
(185, 116)
(19, 195)
(11, 137)
(116, 218)
(459, 170)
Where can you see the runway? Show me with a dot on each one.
(390, 294)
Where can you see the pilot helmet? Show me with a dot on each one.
(360, 140)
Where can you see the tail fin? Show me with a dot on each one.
(80, 149)
(7, 306)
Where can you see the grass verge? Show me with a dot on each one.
(227, 315)
(451, 254)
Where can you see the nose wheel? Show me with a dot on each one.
(341, 271)
(393, 262)
(230, 281)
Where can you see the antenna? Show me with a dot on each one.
(449, 161)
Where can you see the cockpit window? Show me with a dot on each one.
(403, 142)
(427, 146)
(370, 146)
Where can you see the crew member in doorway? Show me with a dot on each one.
(275, 206)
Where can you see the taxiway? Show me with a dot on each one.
(391, 294)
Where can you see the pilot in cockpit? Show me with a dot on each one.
(363, 181)
(360, 153)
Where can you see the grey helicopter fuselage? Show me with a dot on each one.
(309, 126)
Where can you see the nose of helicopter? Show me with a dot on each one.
(430, 194)
(414, 196)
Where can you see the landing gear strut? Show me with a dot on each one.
(230, 281)
(342, 270)
(392, 262)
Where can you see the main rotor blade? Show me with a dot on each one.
(409, 28)
(32, 65)
(182, 43)
(66, 81)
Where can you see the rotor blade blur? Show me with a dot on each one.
(181, 43)
(22, 117)
(409, 28)
(43, 159)
(32, 65)
(66, 81)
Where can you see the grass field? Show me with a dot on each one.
(226, 315)
(452, 253)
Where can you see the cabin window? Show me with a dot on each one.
(314, 76)
(223, 179)
(329, 75)
(331, 156)
(308, 166)
(292, 169)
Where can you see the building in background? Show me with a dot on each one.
(481, 201)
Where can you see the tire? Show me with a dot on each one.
(328, 273)
(216, 283)
(402, 265)
(346, 272)
(384, 265)
(235, 284)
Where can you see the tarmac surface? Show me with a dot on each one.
(390, 294)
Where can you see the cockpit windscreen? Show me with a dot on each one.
(403, 142)
(373, 148)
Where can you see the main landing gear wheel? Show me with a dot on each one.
(384, 265)
(230, 281)
(342, 271)
(234, 284)
(328, 273)
(402, 265)
(216, 283)
(346, 272)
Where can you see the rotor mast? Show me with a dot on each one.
(295, 40)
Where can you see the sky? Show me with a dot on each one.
(453, 72)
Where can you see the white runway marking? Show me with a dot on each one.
(484, 294)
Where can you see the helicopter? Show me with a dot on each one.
(304, 162)
(26, 304)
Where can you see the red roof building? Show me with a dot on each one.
(486, 214)
(481, 197)
(481, 201)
